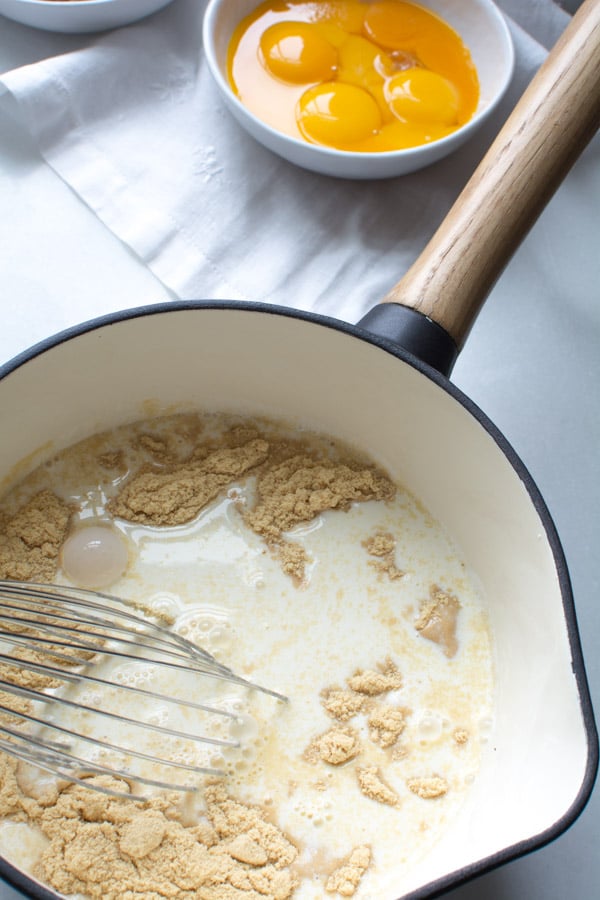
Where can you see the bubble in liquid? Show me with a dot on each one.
(94, 556)
(486, 725)
(164, 604)
(219, 638)
(430, 727)
(159, 717)
(244, 729)
(86, 698)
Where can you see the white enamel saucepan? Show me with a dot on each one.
(383, 386)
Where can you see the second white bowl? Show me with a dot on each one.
(79, 16)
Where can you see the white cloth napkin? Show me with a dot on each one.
(133, 123)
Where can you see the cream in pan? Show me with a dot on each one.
(303, 567)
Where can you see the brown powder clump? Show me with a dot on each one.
(26, 676)
(382, 545)
(386, 724)
(292, 487)
(372, 785)
(112, 460)
(246, 850)
(461, 736)
(387, 567)
(428, 788)
(11, 798)
(18, 706)
(231, 818)
(142, 834)
(375, 682)
(300, 488)
(156, 447)
(14, 705)
(103, 847)
(336, 746)
(341, 704)
(30, 541)
(176, 495)
(23, 677)
(293, 559)
(346, 879)
(438, 619)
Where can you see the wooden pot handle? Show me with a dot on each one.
(548, 129)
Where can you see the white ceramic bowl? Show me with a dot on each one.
(479, 23)
(79, 16)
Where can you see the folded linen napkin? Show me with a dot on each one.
(132, 122)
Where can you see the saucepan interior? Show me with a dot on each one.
(540, 763)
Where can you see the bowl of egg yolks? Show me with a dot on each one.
(359, 88)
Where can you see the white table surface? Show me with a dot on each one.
(532, 364)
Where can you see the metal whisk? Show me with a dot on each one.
(59, 635)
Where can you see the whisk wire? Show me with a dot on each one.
(32, 757)
(53, 747)
(60, 762)
(82, 598)
(60, 634)
(76, 677)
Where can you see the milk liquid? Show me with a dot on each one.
(225, 591)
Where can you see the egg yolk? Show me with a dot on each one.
(362, 62)
(348, 15)
(297, 52)
(367, 66)
(393, 24)
(360, 75)
(337, 114)
(418, 95)
(94, 556)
